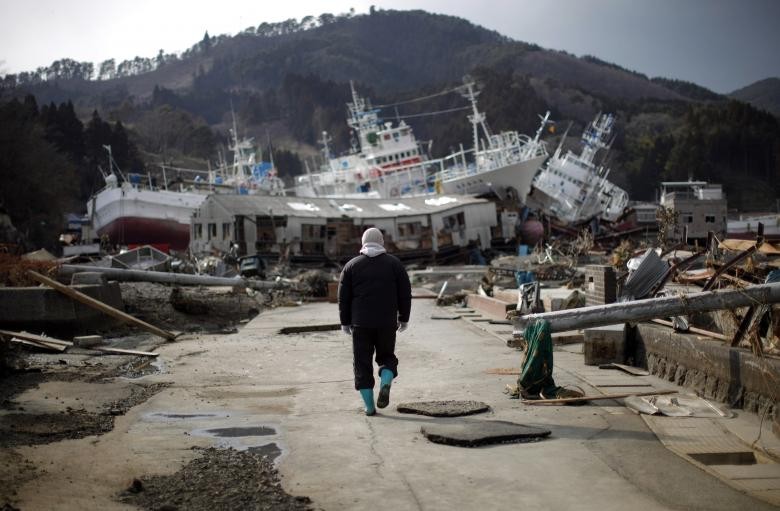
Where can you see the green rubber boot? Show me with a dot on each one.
(386, 379)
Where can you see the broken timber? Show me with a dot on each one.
(652, 308)
(564, 400)
(171, 278)
(97, 304)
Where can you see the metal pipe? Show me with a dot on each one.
(652, 308)
(183, 279)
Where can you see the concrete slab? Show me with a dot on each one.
(443, 408)
(491, 307)
(477, 433)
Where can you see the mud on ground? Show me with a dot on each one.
(218, 479)
(190, 309)
(20, 427)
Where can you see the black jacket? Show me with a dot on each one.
(374, 292)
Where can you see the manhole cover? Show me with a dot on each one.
(475, 433)
(444, 408)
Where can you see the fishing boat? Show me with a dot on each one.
(134, 210)
(572, 188)
(387, 161)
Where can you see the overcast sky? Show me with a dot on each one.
(721, 44)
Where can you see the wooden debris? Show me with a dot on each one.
(565, 400)
(97, 304)
(38, 344)
(35, 338)
(634, 371)
(121, 351)
(694, 330)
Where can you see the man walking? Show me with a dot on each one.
(375, 299)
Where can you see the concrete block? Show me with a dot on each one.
(552, 303)
(85, 341)
(489, 306)
(88, 278)
(505, 295)
(605, 344)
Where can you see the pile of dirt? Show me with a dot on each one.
(189, 309)
(218, 479)
(43, 428)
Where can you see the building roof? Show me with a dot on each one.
(334, 208)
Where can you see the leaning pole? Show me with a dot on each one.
(651, 308)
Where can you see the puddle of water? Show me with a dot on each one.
(184, 415)
(725, 458)
(265, 439)
(271, 451)
(241, 431)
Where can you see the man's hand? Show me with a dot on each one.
(347, 329)
(402, 326)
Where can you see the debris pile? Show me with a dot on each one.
(13, 270)
(217, 479)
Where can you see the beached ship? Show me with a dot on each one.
(387, 161)
(573, 188)
(133, 209)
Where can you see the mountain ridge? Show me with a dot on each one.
(764, 94)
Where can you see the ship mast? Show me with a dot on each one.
(477, 118)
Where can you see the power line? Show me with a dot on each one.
(410, 116)
(414, 100)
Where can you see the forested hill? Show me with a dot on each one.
(390, 51)
(764, 94)
(289, 81)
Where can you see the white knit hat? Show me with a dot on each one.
(373, 235)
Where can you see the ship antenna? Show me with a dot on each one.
(112, 164)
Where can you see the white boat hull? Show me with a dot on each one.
(516, 176)
(129, 216)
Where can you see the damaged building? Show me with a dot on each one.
(699, 206)
(331, 228)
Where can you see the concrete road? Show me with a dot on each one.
(597, 458)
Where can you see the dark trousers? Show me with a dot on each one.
(366, 341)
